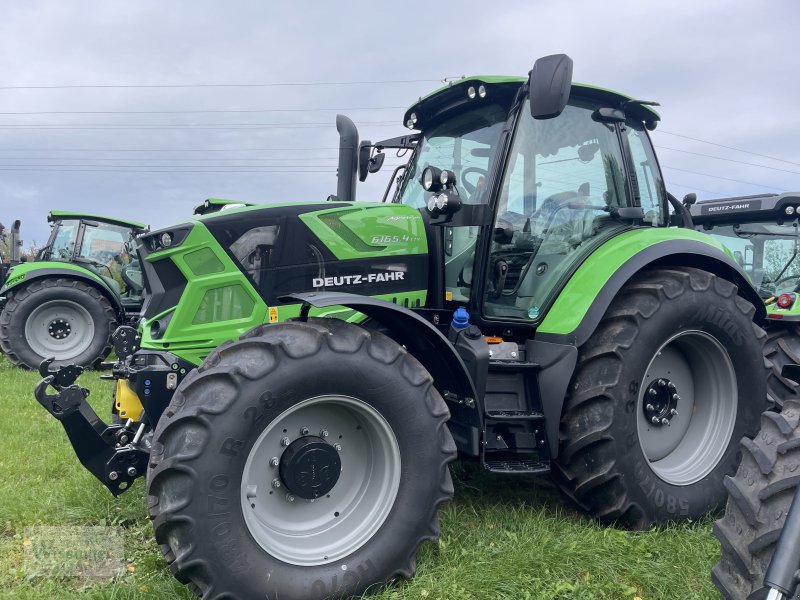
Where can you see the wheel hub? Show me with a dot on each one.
(661, 402)
(310, 467)
(59, 329)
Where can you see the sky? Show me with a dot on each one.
(118, 90)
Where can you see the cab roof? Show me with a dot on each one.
(455, 93)
(57, 215)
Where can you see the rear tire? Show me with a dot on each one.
(669, 333)
(759, 496)
(229, 531)
(62, 318)
(782, 348)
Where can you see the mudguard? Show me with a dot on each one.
(27, 272)
(427, 344)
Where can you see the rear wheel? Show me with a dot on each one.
(782, 348)
(662, 393)
(320, 450)
(759, 496)
(62, 318)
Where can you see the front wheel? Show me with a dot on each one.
(759, 496)
(309, 458)
(673, 377)
(62, 318)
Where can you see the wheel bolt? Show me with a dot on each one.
(673, 412)
(323, 433)
(276, 483)
(131, 471)
(113, 476)
(289, 498)
(338, 447)
(304, 431)
(652, 392)
(676, 398)
(650, 407)
(655, 421)
(662, 383)
(284, 441)
(274, 462)
(671, 386)
(665, 421)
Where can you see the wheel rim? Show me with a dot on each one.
(690, 389)
(315, 531)
(59, 328)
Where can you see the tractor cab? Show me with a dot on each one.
(763, 234)
(103, 245)
(521, 197)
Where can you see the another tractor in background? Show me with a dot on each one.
(67, 302)
(763, 234)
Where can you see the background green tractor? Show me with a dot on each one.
(303, 373)
(67, 302)
(763, 234)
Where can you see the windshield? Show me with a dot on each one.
(104, 243)
(464, 144)
(62, 239)
(768, 252)
(563, 182)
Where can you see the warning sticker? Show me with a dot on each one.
(273, 314)
(448, 296)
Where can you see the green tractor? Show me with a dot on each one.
(67, 302)
(303, 373)
(763, 234)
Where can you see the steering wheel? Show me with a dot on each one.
(472, 188)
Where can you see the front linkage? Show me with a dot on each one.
(115, 454)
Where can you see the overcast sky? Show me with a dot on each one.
(724, 71)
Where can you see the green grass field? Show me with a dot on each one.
(501, 537)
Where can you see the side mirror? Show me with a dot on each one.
(689, 199)
(364, 152)
(549, 85)
(367, 165)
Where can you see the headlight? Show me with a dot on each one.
(428, 177)
(471, 92)
(440, 201)
(166, 239)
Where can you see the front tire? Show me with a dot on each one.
(669, 382)
(62, 318)
(305, 461)
(759, 496)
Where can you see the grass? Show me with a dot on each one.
(501, 537)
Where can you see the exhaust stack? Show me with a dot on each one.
(348, 159)
(14, 243)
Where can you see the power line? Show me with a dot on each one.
(172, 158)
(741, 162)
(208, 126)
(326, 124)
(692, 188)
(214, 85)
(680, 135)
(199, 111)
(164, 149)
(151, 171)
(724, 178)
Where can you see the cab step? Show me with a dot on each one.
(514, 415)
(517, 467)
